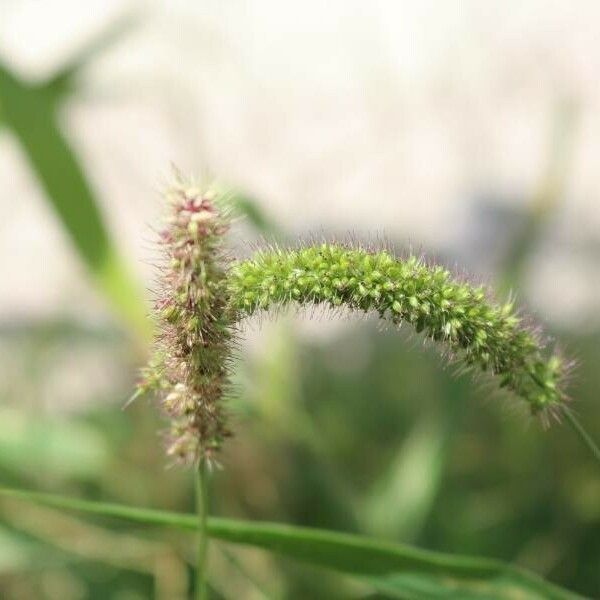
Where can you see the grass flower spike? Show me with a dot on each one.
(477, 331)
(189, 367)
(203, 295)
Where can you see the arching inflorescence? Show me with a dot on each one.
(204, 297)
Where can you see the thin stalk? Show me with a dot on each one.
(202, 510)
(585, 437)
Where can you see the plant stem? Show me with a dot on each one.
(202, 510)
(581, 432)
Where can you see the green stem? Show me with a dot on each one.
(585, 437)
(202, 510)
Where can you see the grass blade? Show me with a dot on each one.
(380, 563)
(260, 220)
(29, 112)
(397, 505)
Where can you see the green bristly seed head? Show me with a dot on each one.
(203, 297)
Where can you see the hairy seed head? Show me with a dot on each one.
(458, 314)
(188, 368)
(202, 296)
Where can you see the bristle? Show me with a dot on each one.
(188, 370)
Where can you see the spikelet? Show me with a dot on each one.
(188, 369)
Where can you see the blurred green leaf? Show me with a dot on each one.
(38, 445)
(252, 211)
(380, 563)
(29, 112)
(413, 586)
(18, 553)
(401, 499)
(15, 553)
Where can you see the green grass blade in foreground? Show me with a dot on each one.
(29, 112)
(381, 564)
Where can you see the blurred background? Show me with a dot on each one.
(469, 131)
